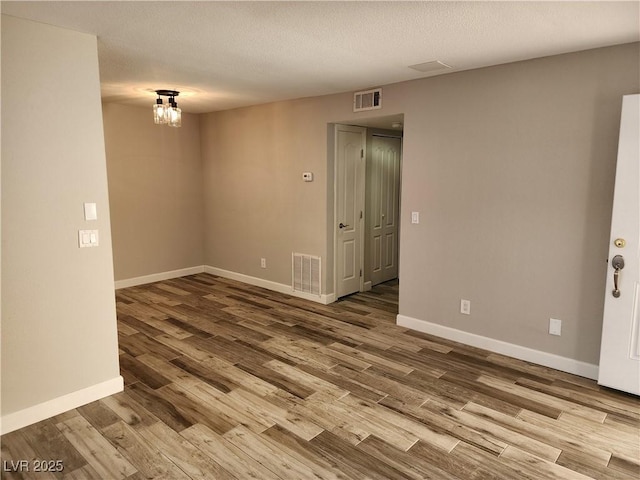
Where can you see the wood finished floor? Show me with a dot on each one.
(225, 380)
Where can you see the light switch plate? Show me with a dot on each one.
(90, 211)
(307, 176)
(88, 238)
(465, 307)
(415, 217)
(555, 326)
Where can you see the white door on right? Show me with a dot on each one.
(620, 347)
(383, 209)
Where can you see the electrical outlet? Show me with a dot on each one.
(263, 263)
(465, 307)
(555, 326)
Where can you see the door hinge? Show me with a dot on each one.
(360, 272)
(360, 214)
(362, 153)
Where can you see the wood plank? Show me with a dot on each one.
(49, 444)
(231, 409)
(98, 452)
(150, 377)
(87, 472)
(227, 455)
(310, 382)
(584, 397)
(568, 432)
(375, 413)
(154, 402)
(194, 410)
(335, 418)
(148, 460)
(380, 360)
(497, 396)
(409, 465)
(234, 374)
(488, 466)
(453, 464)
(542, 468)
(353, 461)
(19, 456)
(298, 448)
(130, 411)
(625, 444)
(299, 352)
(344, 383)
(186, 455)
(382, 384)
(583, 464)
(267, 454)
(498, 432)
(140, 344)
(544, 433)
(199, 371)
(276, 379)
(289, 420)
(98, 414)
(629, 465)
(442, 423)
(542, 398)
(394, 435)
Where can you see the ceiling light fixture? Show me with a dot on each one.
(168, 114)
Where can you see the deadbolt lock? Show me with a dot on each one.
(620, 242)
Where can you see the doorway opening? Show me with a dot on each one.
(366, 163)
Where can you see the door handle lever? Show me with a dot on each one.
(342, 225)
(617, 263)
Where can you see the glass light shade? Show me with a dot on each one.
(160, 114)
(174, 116)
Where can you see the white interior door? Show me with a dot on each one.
(383, 208)
(349, 182)
(620, 348)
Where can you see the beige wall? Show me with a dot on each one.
(256, 203)
(510, 167)
(155, 192)
(58, 309)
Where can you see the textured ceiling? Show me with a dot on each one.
(222, 55)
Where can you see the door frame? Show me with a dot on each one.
(372, 126)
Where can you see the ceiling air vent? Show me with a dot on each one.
(367, 100)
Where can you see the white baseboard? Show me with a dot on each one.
(28, 416)
(546, 359)
(269, 285)
(367, 286)
(158, 277)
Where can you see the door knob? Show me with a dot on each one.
(342, 225)
(617, 263)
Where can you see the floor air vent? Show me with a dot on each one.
(367, 100)
(306, 273)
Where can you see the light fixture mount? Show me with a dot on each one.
(170, 114)
(167, 93)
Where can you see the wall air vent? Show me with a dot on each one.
(306, 273)
(367, 100)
